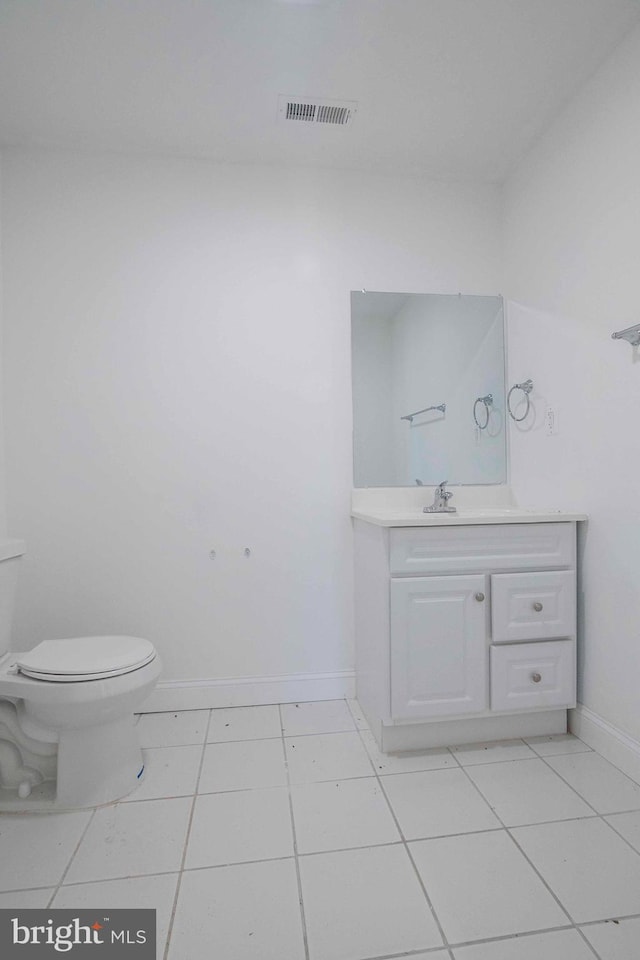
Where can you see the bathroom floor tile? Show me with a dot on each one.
(615, 941)
(386, 763)
(235, 827)
(556, 744)
(364, 903)
(244, 912)
(627, 824)
(527, 791)
(323, 716)
(172, 729)
(555, 945)
(362, 898)
(244, 723)
(130, 839)
(592, 871)
(495, 752)
(36, 848)
(243, 765)
(358, 715)
(336, 815)
(331, 756)
(168, 772)
(151, 893)
(26, 899)
(601, 784)
(481, 886)
(435, 803)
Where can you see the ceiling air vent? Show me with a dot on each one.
(337, 113)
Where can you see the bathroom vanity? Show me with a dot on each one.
(465, 624)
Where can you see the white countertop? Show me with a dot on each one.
(473, 515)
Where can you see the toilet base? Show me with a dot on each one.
(96, 765)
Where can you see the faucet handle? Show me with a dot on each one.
(442, 493)
(440, 500)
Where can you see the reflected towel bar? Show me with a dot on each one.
(439, 406)
(631, 335)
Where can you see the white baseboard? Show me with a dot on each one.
(614, 744)
(249, 691)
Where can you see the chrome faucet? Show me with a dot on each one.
(440, 499)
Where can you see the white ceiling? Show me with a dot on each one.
(453, 89)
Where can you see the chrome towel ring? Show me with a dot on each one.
(526, 387)
(488, 403)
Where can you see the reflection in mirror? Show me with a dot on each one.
(428, 389)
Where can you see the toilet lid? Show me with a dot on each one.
(85, 658)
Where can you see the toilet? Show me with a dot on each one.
(67, 726)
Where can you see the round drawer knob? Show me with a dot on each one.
(536, 677)
(537, 606)
(479, 597)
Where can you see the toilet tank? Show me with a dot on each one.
(10, 553)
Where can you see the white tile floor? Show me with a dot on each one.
(281, 833)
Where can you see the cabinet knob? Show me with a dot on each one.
(536, 677)
(537, 606)
(479, 597)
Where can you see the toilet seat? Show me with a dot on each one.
(85, 658)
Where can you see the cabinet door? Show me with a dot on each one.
(439, 652)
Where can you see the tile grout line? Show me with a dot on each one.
(410, 956)
(186, 843)
(473, 943)
(601, 816)
(404, 841)
(303, 919)
(495, 763)
(72, 857)
(530, 862)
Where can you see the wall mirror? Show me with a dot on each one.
(428, 375)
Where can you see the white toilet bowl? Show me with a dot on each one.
(67, 732)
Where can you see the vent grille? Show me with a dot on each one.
(301, 111)
(331, 112)
(338, 115)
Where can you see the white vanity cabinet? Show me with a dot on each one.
(465, 631)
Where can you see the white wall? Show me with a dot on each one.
(177, 379)
(572, 245)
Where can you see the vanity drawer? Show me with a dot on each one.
(474, 548)
(533, 606)
(527, 675)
